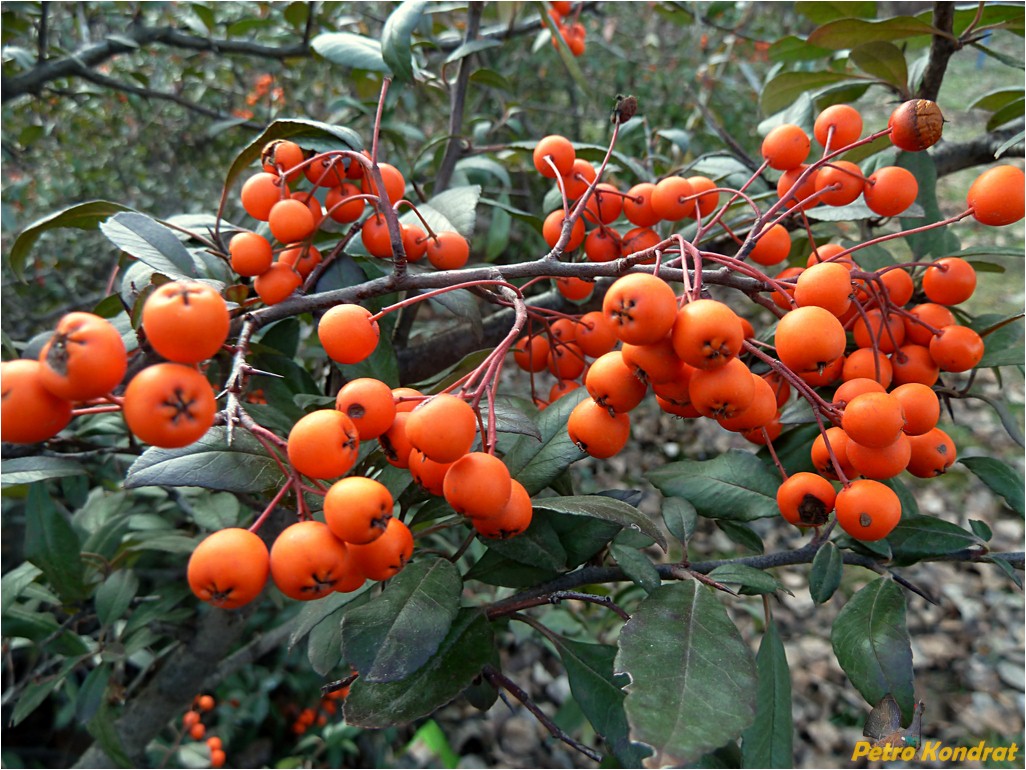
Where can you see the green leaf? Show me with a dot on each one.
(310, 134)
(81, 216)
(981, 529)
(210, 463)
(389, 638)
(115, 595)
(605, 508)
(825, 575)
(395, 38)
(849, 33)
(736, 485)
(792, 48)
(996, 99)
(741, 534)
(1001, 478)
(536, 464)
(35, 693)
(924, 537)
(52, 545)
(26, 470)
(467, 647)
(751, 580)
(825, 10)
(769, 742)
(1007, 568)
(314, 613)
(637, 567)
(102, 728)
(693, 679)
(151, 243)
(457, 208)
(871, 643)
(1004, 345)
(510, 419)
(349, 50)
(599, 693)
(883, 60)
(940, 241)
(787, 87)
(494, 569)
(216, 511)
(582, 538)
(297, 13)
(324, 645)
(16, 581)
(680, 518)
(472, 47)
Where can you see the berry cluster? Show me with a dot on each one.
(573, 33)
(193, 726)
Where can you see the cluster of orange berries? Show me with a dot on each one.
(166, 404)
(327, 707)
(360, 539)
(644, 205)
(574, 34)
(294, 216)
(192, 724)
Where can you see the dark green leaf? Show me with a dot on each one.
(494, 569)
(735, 485)
(792, 48)
(787, 87)
(389, 638)
(510, 419)
(825, 575)
(871, 643)
(849, 33)
(599, 693)
(216, 511)
(26, 470)
(457, 208)
(605, 508)
(1004, 345)
(940, 241)
(741, 534)
(209, 463)
(52, 545)
(981, 529)
(91, 693)
(637, 567)
(538, 546)
(297, 13)
(996, 99)
(923, 537)
(693, 679)
(536, 464)
(82, 216)
(769, 742)
(319, 611)
(395, 38)
(115, 595)
(34, 694)
(1007, 568)
(324, 645)
(751, 580)
(883, 60)
(468, 646)
(582, 538)
(102, 728)
(150, 242)
(1001, 478)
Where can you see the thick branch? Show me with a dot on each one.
(941, 49)
(952, 157)
(31, 81)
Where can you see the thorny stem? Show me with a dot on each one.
(559, 596)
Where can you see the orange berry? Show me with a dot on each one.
(956, 349)
(868, 510)
(880, 462)
(277, 283)
(949, 281)
(260, 193)
(596, 431)
(228, 569)
(566, 361)
(448, 250)
(933, 453)
(443, 427)
(839, 183)
(303, 259)
(641, 307)
(868, 363)
(794, 194)
(347, 333)
(574, 289)
(394, 442)
(725, 391)
(846, 123)
(913, 363)
(186, 321)
(513, 519)
(323, 444)
(307, 561)
(761, 411)
(809, 339)
(915, 125)
(581, 175)
(653, 363)
(930, 313)
(707, 201)
(291, 221)
(197, 731)
(84, 358)
(250, 253)
(637, 206)
(169, 405)
(826, 285)
(873, 329)
(559, 151)
(427, 473)
(613, 384)
(395, 184)
(707, 334)
(873, 419)
(890, 190)
(772, 247)
(477, 485)
(552, 228)
(806, 499)
(385, 557)
(921, 407)
(996, 197)
(532, 353)
(820, 456)
(605, 204)
(671, 199)
(602, 245)
(206, 703)
(357, 509)
(851, 388)
(786, 147)
(376, 238)
(595, 334)
(369, 404)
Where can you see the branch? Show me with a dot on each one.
(72, 65)
(804, 555)
(952, 157)
(459, 94)
(147, 93)
(941, 49)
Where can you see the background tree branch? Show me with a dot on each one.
(941, 49)
(955, 156)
